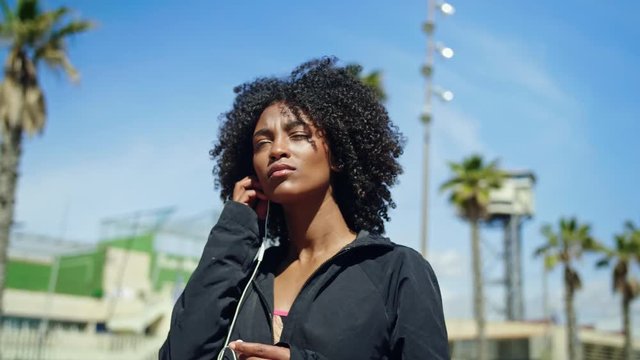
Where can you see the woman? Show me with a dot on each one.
(318, 153)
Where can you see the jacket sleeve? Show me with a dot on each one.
(301, 354)
(203, 312)
(419, 330)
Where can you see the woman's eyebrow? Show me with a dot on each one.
(294, 123)
(263, 131)
(288, 126)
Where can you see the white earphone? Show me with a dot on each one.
(257, 260)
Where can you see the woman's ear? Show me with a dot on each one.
(335, 166)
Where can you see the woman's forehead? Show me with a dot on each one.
(281, 116)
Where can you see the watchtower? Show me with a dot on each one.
(510, 206)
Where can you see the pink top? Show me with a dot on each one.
(280, 312)
(278, 325)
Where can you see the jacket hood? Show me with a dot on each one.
(365, 238)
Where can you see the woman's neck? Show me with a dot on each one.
(316, 228)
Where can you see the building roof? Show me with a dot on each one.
(44, 248)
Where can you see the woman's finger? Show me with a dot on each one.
(260, 195)
(255, 183)
(243, 183)
(242, 197)
(270, 352)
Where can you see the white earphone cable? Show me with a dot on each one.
(257, 260)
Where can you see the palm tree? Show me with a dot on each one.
(373, 80)
(469, 192)
(626, 251)
(565, 245)
(33, 36)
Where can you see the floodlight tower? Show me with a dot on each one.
(433, 47)
(511, 205)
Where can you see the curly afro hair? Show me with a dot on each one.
(364, 143)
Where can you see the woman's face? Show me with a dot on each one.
(291, 159)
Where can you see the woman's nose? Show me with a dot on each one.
(279, 149)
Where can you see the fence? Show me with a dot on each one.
(28, 343)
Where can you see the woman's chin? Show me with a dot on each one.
(283, 197)
(285, 194)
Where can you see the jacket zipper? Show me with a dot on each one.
(304, 286)
(266, 304)
(312, 276)
(331, 259)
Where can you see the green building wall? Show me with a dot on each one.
(82, 274)
(79, 275)
(25, 275)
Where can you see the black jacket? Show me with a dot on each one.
(372, 300)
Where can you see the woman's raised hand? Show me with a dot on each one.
(249, 192)
(255, 351)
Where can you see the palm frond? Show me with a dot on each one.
(57, 59)
(34, 35)
(547, 232)
(27, 10)
(6, 11)
(542, 250)
(72, 28)
(471, 183)
(450, 184)
(374, 81)
(550, 261)
(54, 16)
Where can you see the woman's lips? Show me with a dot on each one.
(280, 170)
(281, 173)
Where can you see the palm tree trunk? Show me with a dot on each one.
(571, 316)
(478, 296)
(626, 318)
(10, 151)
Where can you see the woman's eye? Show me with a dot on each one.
(261, 143)
(299, 136)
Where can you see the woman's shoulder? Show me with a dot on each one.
(394, 260)
(395, 253)
(400, 271)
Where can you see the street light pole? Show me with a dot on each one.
(427, 71)
(427, 114)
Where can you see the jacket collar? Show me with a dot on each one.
(364, 239)
(266, 274)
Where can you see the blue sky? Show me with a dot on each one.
(547, 86)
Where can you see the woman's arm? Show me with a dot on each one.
(273, 352)
(420, 331)
(202, 314)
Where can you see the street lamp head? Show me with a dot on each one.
(446, 8)
(443, 94)
(446, 95)
(445, 51)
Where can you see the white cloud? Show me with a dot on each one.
(144, 175)
(449, 263)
